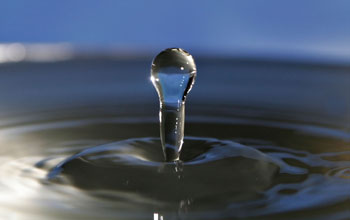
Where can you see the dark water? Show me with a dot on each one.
(263, 141)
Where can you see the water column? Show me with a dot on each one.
(173, 74)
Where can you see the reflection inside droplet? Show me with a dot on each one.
(173, 73)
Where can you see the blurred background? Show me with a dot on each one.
(276, 55)
(314, 30)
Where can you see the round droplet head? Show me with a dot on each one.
(173, 73)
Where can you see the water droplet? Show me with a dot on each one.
(173, 73)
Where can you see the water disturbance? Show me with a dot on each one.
(104, 159)
(173, 74)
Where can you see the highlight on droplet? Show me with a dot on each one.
(173, 73)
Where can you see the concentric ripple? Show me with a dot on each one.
(93, 168)
(209, 167)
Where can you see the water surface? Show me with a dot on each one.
(263, 141)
